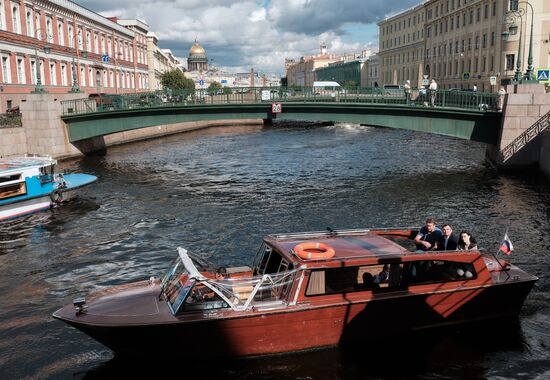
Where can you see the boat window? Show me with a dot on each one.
(271, 262)
(431, 271)
(12, 186)
(351, 279)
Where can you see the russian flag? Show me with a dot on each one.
(506, 246)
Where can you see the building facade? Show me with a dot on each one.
(401, 47)
(373, 72)
(466, 43)
(40, 40)
(347, 72)
(302, 72)
(159, 60)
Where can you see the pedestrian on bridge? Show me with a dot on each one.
(433, 90)
(407, 88)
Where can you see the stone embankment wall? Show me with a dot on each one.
(525, 105)
(43, 131)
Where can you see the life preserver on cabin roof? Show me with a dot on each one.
(314, 251)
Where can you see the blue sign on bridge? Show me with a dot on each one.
(105, 58)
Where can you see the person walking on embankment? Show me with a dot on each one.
(433, 90)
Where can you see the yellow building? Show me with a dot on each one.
(302, 73)
(401, 47)
(466, 43)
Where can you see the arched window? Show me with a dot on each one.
(82, 77)
(49, 30)
(30, 26)
(88, 42)
(80, 40)
(96, 45)
(15, 19)
(71, 37)
(60, 34)
(2, 18)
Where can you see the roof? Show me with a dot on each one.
(352, 244)
(19, 163)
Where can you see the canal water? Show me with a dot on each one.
(216, 192)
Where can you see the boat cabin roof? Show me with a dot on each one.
(351, 244)
(21, 163)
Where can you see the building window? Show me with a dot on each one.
(33, 72)
(6, 72)
(88, 41)
(71, 37)
(510, 58)
(494, 8)
(2, 18)
(53, 77)
(477, 42)
(514, 4)
(49, 30)
(82, 77)
(30, 27)
(60, 35)
(15, 19)
(96, 44)
(484, 41)
(486, 11)
(63, 75)
(492, 38)
(20, 71)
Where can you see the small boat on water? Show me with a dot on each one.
(304, 291)
(29, 184)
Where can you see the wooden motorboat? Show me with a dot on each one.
(304, 291)
(29, 184)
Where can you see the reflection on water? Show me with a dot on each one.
(216, 192)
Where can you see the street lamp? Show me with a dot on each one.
(512, 15)
(74, 87)
(39, 89)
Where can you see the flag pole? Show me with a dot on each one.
(495, 255)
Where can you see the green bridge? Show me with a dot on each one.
(461, 114)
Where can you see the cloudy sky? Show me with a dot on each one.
(260, 34)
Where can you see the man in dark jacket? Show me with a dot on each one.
(449, 241)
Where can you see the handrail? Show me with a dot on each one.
(523, 139)
(442, 99)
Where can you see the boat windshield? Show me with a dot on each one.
(186, 289)
(176, 285)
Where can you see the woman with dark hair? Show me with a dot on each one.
(466, 241)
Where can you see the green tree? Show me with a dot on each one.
(175, 80)
(349, 84)
(227, 90)
(214, 88)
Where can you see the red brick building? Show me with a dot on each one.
(48, 35)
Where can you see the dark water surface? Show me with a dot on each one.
(216, 192)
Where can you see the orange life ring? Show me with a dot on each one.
(314, 251)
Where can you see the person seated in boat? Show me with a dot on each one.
(368, 281)
(466, 241)
(220, 273)
(447, 242)
(383, 276)
(427, 236)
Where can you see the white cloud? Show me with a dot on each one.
(240, 34)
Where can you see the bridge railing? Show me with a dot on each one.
(256, 95)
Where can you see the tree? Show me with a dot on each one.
(349, 84)
(227, 91)
(175, 80)
(214, 88)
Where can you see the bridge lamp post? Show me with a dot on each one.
(38, 88)
(84, 53)
(511, 17)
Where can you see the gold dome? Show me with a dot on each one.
(196, 49)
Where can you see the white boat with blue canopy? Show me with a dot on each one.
(29, 184)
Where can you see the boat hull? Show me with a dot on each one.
(26, 205)
(309, 326)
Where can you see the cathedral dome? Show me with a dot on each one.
(197, 49)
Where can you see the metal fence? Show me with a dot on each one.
(452, 99)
